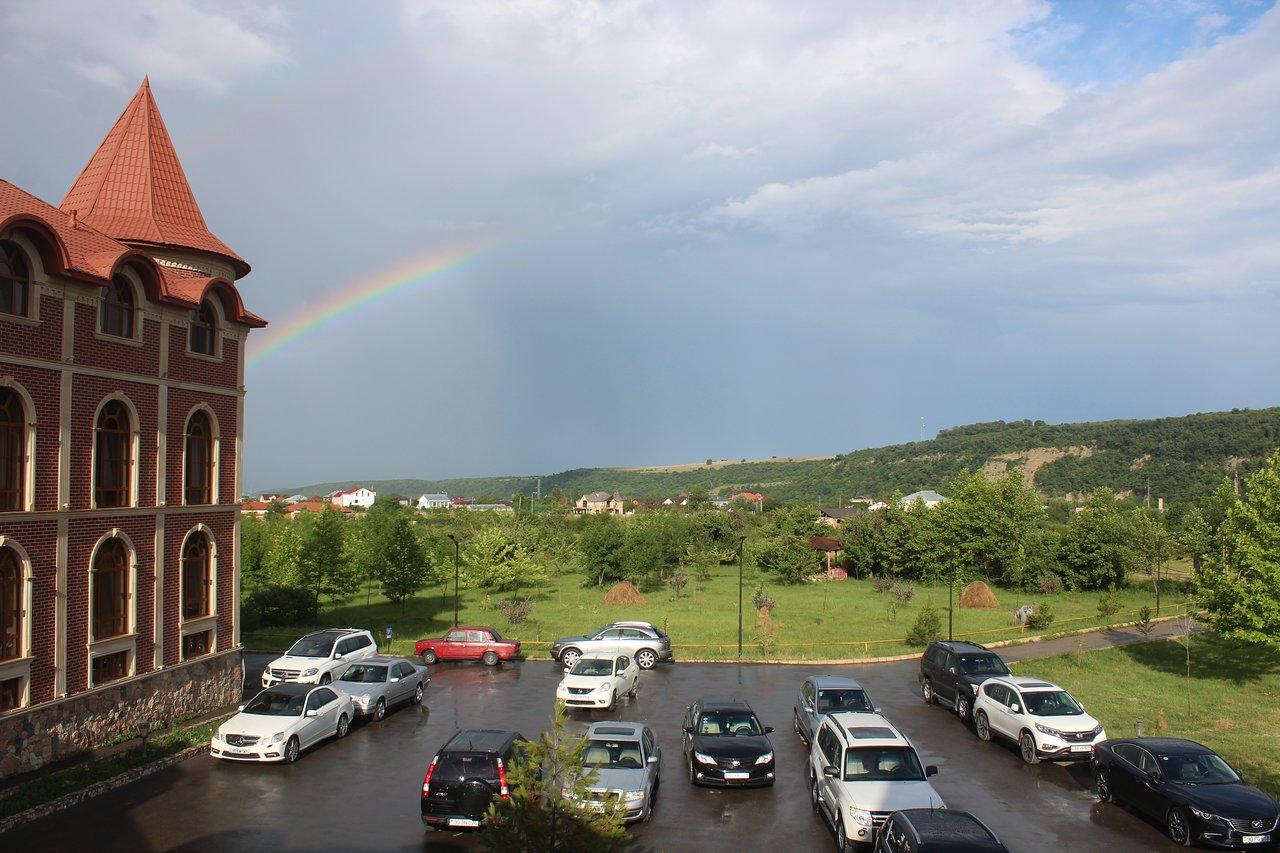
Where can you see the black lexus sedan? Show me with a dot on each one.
(1188, 788)
(725, 745)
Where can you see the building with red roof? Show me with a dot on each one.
(122, 335)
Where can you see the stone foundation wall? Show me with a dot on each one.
(64, 729)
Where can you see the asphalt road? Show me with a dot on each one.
(362, 793)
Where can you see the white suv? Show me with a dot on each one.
(861, 770)
(321, 657)
(1044, 720)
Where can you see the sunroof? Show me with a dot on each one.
(871, 732)
(614, 731)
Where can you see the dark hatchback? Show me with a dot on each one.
(464, 777)
(1188, 788)
(952, 671)
(725, 744)
(936, 831)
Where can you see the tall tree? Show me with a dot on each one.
(601, 543)
(1100, 548)
(404, 565)
(280, 560)
(324, 565)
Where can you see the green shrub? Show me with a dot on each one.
(1049, 584)
(927, 627)
(278, 605)
(1041, 618)
(1109, 603)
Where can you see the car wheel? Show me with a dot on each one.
(842, 842)
(417, 695)
(291, 751)
(795, 724)
(634, 687)
(693, 774)
(570, 656)
(926, 692)
(490, 658)
(981, 725)
(344, 725)
(646, 659)
(1027, 744)
(1179, 829)
(613, 702)
(326, 678)
(429, 657)
(1102, 781)
(962, 708)
(380, 710)
(813, 792)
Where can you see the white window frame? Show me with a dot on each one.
(20, 667)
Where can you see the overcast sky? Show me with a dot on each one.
(726, 229)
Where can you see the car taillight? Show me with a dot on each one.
(426, 780)
(503, 790)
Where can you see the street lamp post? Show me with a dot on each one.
(455, 578)
(741, 541)
(951, 608)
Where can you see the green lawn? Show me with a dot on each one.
(1233, 692)
(834, 619)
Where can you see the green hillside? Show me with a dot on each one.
(1180, 459)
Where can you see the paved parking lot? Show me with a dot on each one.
(362, 793)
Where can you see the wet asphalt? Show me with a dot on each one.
(362, 793)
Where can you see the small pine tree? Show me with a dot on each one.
(546, 810)
(1145, 625)
(927, 627)
(1041, 618)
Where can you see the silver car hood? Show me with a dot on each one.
(619, 779)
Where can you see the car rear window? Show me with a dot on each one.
(466, 765)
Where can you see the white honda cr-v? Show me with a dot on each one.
(1044, 720)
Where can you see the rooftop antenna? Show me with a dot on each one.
(922, 429)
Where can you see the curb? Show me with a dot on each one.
(66, 801)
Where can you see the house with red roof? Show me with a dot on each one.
(356, 496)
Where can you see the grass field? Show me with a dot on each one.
(830, 620)
(1233, 696)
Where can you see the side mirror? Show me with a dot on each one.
(952, 670)
(875, 710)
(313, 712)
(931, 770)
(1154, 778)
(1014, 708)
(653, 759)
(830, 771)
(768, 729)
(394, 679)
(240, 707)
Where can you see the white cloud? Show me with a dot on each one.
(205, 47)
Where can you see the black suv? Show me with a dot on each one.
(923, 830)
(465, 775)
(951, 670)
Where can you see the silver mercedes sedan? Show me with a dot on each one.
(627, 763)
(376, 683)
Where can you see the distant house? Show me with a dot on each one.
(679, 500)
(876, 506)
(293, 499)
(461, 502)
(498, 507)
(255, 508)
(439, 500)
(835, 516)
(929, 497)
(834, 553)
(600, 503)
(357, 496)
(296, 509)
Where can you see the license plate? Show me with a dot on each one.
(230, 750)
(1255, 839)
(1081, 747)
(463, 821)
(729, 774)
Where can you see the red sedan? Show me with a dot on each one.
(483, 644)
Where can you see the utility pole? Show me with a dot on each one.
(456, 572)
(741, 541)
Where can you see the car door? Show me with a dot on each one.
(317, 725)
(804, 710)
(945, 686)
(1148, 790)
(340, 650)
(653, 768)
(1014, 713)
(1124, 771)
(397, 685)
(453, 646)
(622, 676)
(477, 642)
(686, 736)
(829, 748)
(998, 708)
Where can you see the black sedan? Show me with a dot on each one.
(725, 745)
(1188, 788)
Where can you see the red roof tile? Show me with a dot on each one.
(134, 189)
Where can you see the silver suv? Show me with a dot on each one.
(645, 642)
(320, 657)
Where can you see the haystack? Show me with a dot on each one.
(978, 595)
(623, 593)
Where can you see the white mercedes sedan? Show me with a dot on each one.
(281, 721)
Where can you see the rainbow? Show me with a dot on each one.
(383, 285)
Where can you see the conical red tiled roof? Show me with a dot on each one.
(134, 190)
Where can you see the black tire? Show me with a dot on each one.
(1102, 781)
(570, 656)
(646, 659)
(813, 793)
(417, 695)
(634, 688)
(1175, 823)
(344, 726)
(380, 710)
(981, 725)
(842, 842)
(291, 750)
(693, 774)
(490, 658)
(429, 657)
(326, 678)
(964, 707)
(1027, 746)
(927, 694)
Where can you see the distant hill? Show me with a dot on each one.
(1181, 459)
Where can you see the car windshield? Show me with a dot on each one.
(270, 704)
(831, 700)
(882, 764)
(597, 632)
(1205, 769)
(613, 755)
(592, 666)
(729, 723)
(314, 646)
(1052, 703)
(983, 665)
(365, 674)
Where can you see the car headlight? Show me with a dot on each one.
(277, 737)
(861, 817)
(765, 759)
(705, 759)
(307, 673)
(605, 688)
(364, 698)
(1049, 731)
(634, 795)
(1203, 815)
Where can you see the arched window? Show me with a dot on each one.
(117, 308)
(197, 577)
(204, 325)
(15, 279)
(113, 461)
(199, 459)
(13, 452)
(10, 605)
(110, 590)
